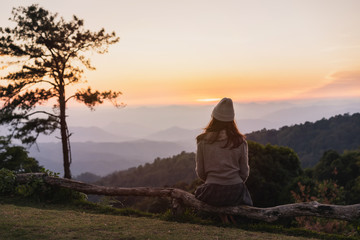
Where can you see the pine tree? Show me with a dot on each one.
(51, 55)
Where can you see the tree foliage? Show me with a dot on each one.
(160, 173)
(51, 54)
(15, 158)
(272, 168)
(344, 170)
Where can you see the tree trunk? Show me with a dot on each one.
(64, 133)
(183, 198)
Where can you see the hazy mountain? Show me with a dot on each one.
(85, 134)
(140, 122)
(174, 127)
(296, 114)
(175, 134)
(132, 129)
(250, 125)
(106, 157)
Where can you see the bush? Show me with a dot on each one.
(16, 158)
(36, 189)
(272, 169)
(327, 192)
(7, 182)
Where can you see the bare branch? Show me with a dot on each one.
(70, 98)
(44, 112)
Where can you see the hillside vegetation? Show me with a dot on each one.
(162, 172)
(311, 140)
(272, 169)
(276, 176)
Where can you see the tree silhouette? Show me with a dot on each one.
(50, 54)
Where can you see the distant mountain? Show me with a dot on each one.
(157, 124)
(134, 130)
(175, 134)
(106, 157)
(84, 134)
(250, 125)
(311, 140)
(308, 113)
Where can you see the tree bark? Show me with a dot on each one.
(270, 214)
(64, 133)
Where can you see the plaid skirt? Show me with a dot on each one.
(224, 195)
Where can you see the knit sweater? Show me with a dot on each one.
(224, 166)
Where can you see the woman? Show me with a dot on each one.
(222, 160)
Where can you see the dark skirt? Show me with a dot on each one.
(224, 195)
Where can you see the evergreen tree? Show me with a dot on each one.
(51, 55)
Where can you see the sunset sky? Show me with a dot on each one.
(180, 52)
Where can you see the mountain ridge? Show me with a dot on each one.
(124, 154)
(310, 140)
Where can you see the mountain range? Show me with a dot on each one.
(104, 157)
(112, 140)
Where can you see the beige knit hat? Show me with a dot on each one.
(224, 110)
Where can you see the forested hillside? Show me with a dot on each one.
(276, 178)
(311, 140)
(162, 172)
(272, 169)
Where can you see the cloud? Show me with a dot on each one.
(342, 84)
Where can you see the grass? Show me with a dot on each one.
(26, 220)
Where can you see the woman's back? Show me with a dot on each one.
(222, 165)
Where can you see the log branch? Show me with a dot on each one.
(270, 214)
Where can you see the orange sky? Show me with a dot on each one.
(176, 52)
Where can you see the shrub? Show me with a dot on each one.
(7, 181)
(36, 188)
(327, 192)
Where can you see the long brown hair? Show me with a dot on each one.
(234, 137)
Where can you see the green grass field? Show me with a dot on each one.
(24, 219)
(29, 222)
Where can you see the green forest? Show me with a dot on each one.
(274, 178)
(311, 140)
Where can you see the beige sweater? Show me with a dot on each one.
(223, 166)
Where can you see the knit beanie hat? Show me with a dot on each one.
(224, 110)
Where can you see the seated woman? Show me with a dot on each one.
(222, 161)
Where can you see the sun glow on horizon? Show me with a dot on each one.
(208, 99)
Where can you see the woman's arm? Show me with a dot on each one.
(199, 158)
(244, 162)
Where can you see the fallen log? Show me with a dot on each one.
(182, 198)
